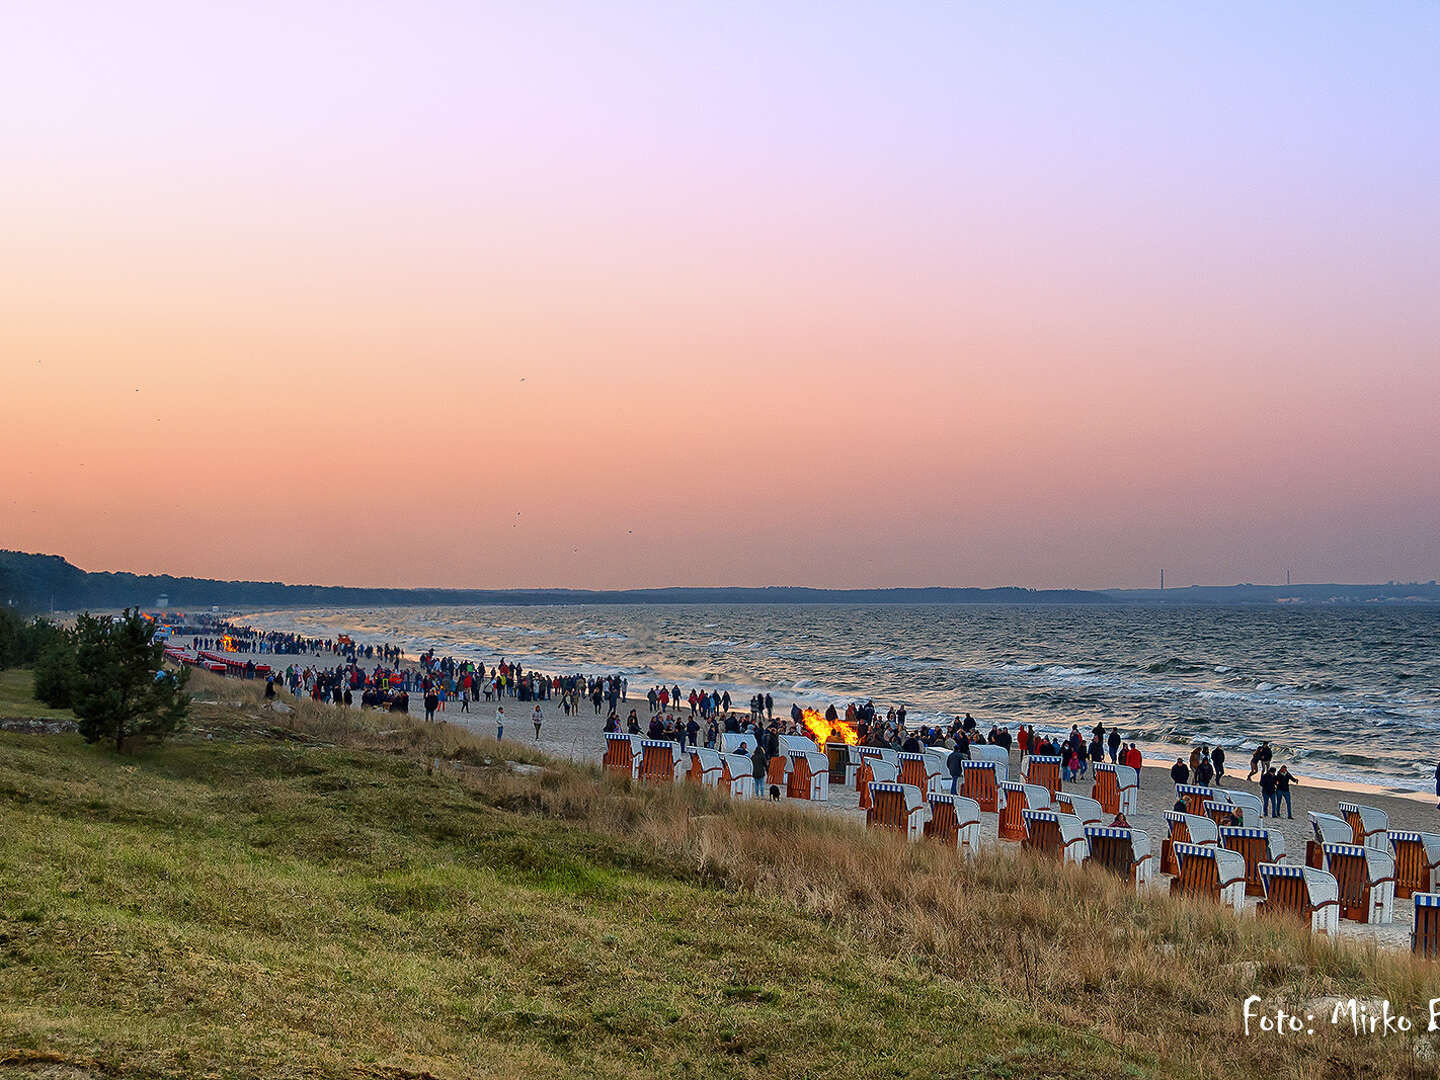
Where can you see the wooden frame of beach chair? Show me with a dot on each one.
(873, 770)
(1185, 829)
(1326, 829)
(839, 755)
(1367, 882)
(954, 819)
(899, 807)
(1425, 937)
(1250, 805)
(1083, 807)
(809, 776)
(622, 754)
(916, 769)
(1116, 788)
(1044, 770)
(776, 771)
(1018, 799)
(706, 766)
(1125, 852)
(1301, 891)
(978, 782)
(1368, 826)
(1417, 854)
(1255, 846)
(1195, 797)
(1211, 873)
(659, 760)
(1060, 836)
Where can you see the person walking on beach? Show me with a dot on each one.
(955, 763)
(537, 718)
(1267, 790)
(1437, 784)
(500, 723)
(1283, 780)
(1217, 758)
(759, 766)
(432, 702)
(1180, 772)
(1114, 745)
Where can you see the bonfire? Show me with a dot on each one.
(823, 731)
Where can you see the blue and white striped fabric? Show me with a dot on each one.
(879, 785)
(981, 765)
(1269, 869)
(1240, 830)
(1353, 851)
(1106, 832)
(1427, 899)
(1040, 815)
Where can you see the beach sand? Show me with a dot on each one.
(580, 737)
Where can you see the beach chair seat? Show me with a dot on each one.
(955, 820)
(996, 755)
(916, 770)
(1185, 829)
(1255, 846)
(1017, 799)
(899, 807)
(1210, 872)
(1125, 852)
(1083, 807)
(1417, 854)
(1250, 804)
(1368, 826)
(839, 755)
(1425, 937)
(809, 776)
(1060, 836)
(1195, 797)
(706, 766)
(1043, 770)
(738, 742)
(978, 782)
(622, 754)
(1367, 882)
(1222, 811)
(659, 760)
(1116, 788)
(1325, 829)
(1303, 892)
(873, 769)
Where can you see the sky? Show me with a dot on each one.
(638, 294)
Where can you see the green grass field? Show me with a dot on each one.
(313, 898)
(17, 700)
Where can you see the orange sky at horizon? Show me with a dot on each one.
(792, 322)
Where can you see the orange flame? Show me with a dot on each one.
(824, 731)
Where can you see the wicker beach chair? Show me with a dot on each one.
(997, 755)
(978, 782)
(899, 807)
(622, 754)
(1303, 892)
(1116, 788)
(1367, 882)
(1255, 846)
(875, 770)
(737, 776)
(1325, 829)
(809, 776)
(1249, 803)
(916, 770)
(955, 820)
(1368, 826)
(1043, 770)
(659, 759)
(1210, 872)
(1018, 799)
(1425, 938)
(706, 766)
(1185, 829)
(1417, 854)
(1125, 852)
(1195, 797)
(1058, 835)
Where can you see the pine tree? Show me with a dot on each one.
(120, 689)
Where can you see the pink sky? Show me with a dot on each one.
(515, 295)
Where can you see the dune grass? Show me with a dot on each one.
(17, 698)
(339, 894)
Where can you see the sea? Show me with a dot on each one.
(1342, 693)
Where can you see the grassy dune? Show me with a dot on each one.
(308, 894)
